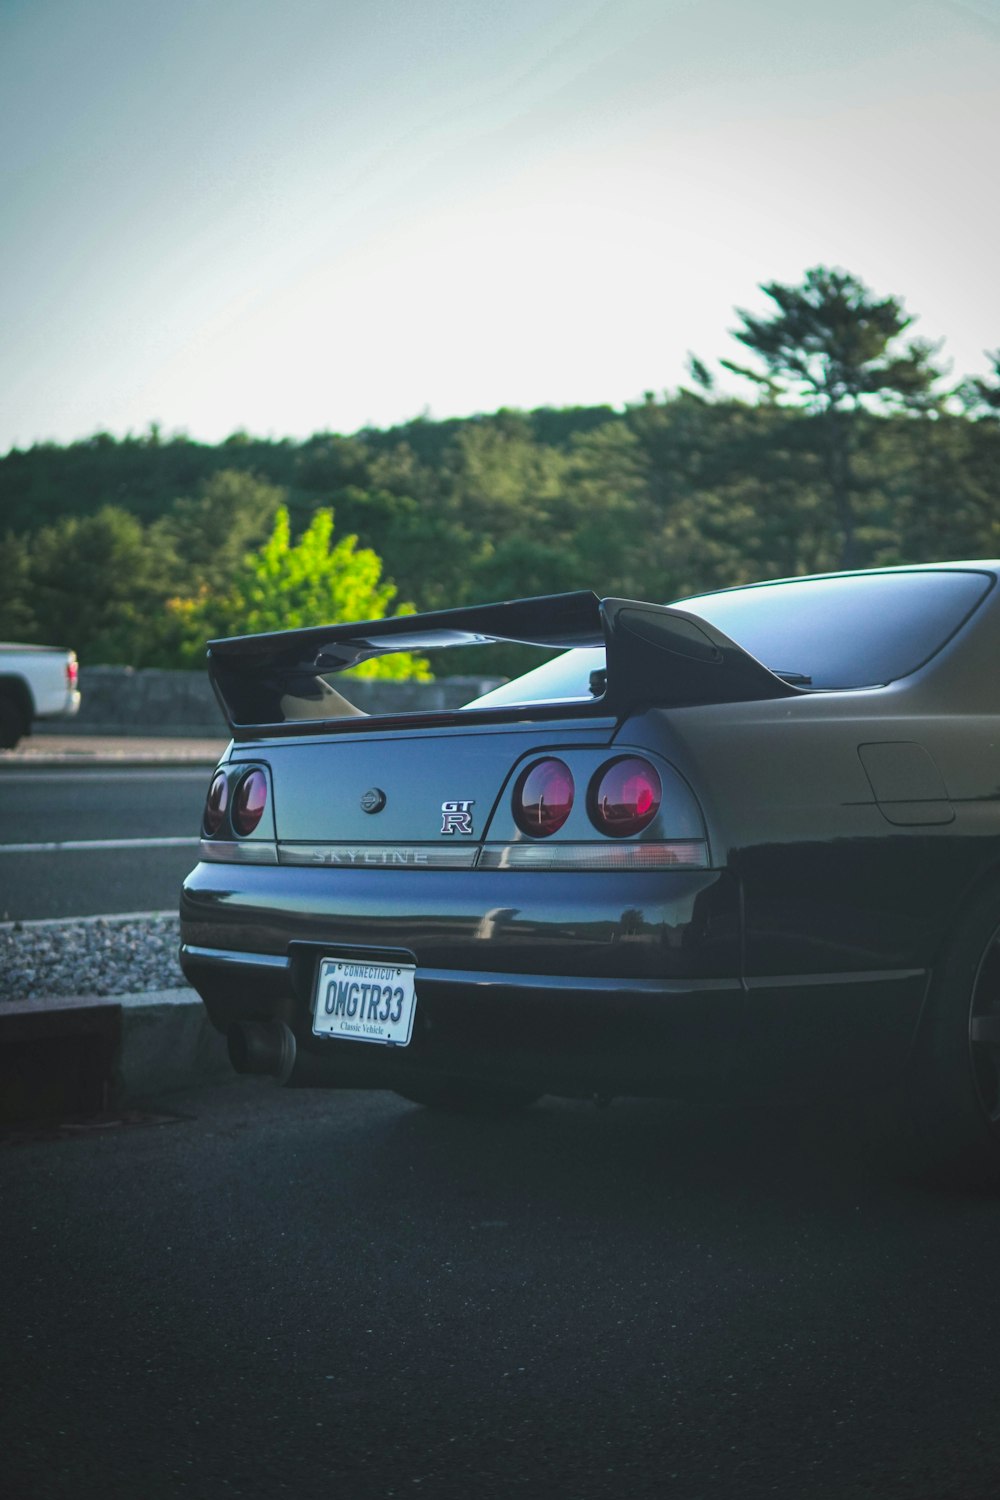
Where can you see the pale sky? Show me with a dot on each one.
(291, 216)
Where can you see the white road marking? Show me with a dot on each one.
(129, 773)
(73, 846)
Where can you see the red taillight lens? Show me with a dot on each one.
(543, 798)
(72, 674)
(625, 797)
(215, 804)
(249, 802)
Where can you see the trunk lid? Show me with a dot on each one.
(413, 788)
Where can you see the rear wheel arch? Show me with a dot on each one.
(954, 1078)
(983, 884)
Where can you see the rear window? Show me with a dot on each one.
(858, 631)
(566, 679)
(849, 632)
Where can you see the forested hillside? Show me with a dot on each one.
(854, 447)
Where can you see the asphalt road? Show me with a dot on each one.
(322, 1295)
(134, 830)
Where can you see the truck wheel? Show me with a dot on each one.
(12, 725)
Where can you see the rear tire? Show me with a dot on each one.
(955, 1077)
(461, 1096)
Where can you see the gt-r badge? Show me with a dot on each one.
(456, 817)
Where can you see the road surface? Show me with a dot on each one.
(87, 841)
(322, 1294)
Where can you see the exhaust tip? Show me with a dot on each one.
(265, 1048)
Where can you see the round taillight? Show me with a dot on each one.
(543, 798)
(249, 802)
(215, 804)
(625, 797)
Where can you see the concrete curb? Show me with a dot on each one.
(83, 1054)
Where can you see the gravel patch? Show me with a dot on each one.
(102, 956)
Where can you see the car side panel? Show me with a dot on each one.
(851, 883)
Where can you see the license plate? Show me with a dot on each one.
(365, 1002)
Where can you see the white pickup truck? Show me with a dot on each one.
(36, 682)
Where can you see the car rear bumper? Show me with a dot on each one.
(578, 1035)
(541, 981)
(564, 982)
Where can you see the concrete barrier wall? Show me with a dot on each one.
(121, 700)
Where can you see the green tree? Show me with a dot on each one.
(286, 585)
(17, 620)
(836, 349)
(425, 546)
(98, 586)
(499, 478)
(207, 535)
(607, 519)
(983, 396)
(947, 479)
(736, 493)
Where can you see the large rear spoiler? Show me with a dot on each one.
(655, 655)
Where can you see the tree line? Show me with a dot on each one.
(852, 448)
